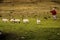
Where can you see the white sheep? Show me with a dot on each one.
(15, 20)
(12, 20)
(38, 21)
(25, 20)
(5, 20)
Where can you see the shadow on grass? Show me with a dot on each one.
(40, 34)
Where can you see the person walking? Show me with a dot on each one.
(54, 12)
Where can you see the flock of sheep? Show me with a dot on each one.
(18, 20)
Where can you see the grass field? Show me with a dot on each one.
(48, 29)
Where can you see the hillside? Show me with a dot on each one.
(24, 1)
(30, 8)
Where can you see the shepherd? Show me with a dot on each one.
(54, 12)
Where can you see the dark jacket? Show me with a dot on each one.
(53, 12)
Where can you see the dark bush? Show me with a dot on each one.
(45, 18)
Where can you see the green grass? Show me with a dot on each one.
(47, 29)
(29, 31)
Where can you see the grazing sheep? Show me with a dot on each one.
(12, 20)
(38, 21)
(15, 20)
(5, 20)
(25, 20)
